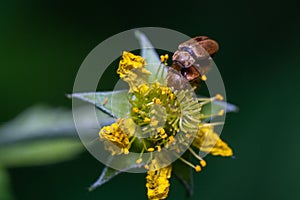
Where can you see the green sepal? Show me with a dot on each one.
(184, 173)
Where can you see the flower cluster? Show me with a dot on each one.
(161, 118)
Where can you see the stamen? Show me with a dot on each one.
(105, 101)
(203, 78)
(145, 146)
(158, 70)
(125, 151)
(158, 148)
(166, 56)
(197, 167)
(221, 112)
(150, 158)
(139, 161)
(219, 97)
(156, 100)
(181, 125)
(192, 119)
(149, 104)
(163, 72)
(135, 109)
(204, 101)
(147, 120)
(195, 154)
(131, 141)
(162, 58)
(171, 138)
(150, 149)
(212, 124)
(161, 130)
(203, 163)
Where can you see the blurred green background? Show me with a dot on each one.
(43, 43)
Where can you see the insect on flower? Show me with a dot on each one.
(191, 61)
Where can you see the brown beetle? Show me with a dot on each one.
(191, 61)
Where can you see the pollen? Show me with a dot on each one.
(164, 90)
(162, 58)
(105, 101)
(158, 148)
(139, 161)
(171, 138)
(202, 163)
(147, 120)
(150, 149)
(221, 112)
(166, 56)
(143, 88)
(203, 78)
(164, 136)
(135, 109)
(219, 97)
(161, 130)
(126, 151)
(197, 168)
(156, 100)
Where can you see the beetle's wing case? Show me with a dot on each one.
(194, 48)
(210, 46)
(201, 48)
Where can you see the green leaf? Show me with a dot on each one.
(113, 103)
(39, 152)
(217, 107)
(184, 173)
(43, 135)
(153, 63)
(38, 122)
(44, 122)
(106, 175)
(5, 191)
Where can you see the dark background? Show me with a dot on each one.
(43, 43)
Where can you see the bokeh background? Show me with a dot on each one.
(43, 43)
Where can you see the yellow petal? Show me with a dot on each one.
(131, 62)
(207, 140)
(158, 183)
(115, 139)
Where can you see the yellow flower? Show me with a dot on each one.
(208, 141)
(168, 118)
(158, 183)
